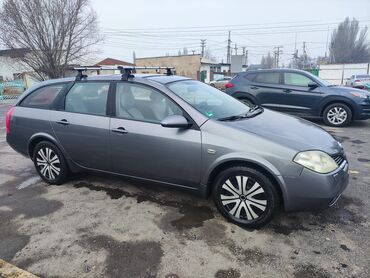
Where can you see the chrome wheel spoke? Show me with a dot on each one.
(245, 201)
(48, 162)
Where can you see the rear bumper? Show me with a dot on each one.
(312, 191)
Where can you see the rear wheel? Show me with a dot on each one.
(245, 196)
(337, 115)
(50, 163)
(247, 102)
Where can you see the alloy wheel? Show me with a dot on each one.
(243, 198)
(48, 163)
(337, 115)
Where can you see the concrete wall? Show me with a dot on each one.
(185, 65)
(338, 73)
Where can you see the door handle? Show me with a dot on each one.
(120, 130)
(254, 87)
(287, 91)
(63, 122)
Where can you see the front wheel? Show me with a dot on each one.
(337, 115)
(245, 196)
(50, 163)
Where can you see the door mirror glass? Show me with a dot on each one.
(175, 121)
(312, 85)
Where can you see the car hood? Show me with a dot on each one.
(289, 131)
(348, 90)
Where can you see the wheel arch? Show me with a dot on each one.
(341, 101)
(246, 95)
(276, 181)
(39, 137)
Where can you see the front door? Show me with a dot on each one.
(299, 98)
(83, 127)
(141, 147)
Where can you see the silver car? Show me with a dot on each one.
(358, 81)
(180, 132)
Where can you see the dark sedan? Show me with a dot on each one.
(301, 93)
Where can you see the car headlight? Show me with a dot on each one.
(317, 161)
(359, 94)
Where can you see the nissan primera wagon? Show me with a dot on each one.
(180, 132)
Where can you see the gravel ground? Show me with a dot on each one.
(104, 226)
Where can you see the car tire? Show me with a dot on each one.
(246, 101)
(50, 163)
(245, 196)
(337, 115)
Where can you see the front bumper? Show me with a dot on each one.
(311, 191)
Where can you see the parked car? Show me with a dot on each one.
(220, 83)
(183, 133)
(301, 93)
(358, 81)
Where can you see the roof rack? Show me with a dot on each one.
(126, 71)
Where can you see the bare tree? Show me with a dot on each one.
(209, 55)
(56, 32)
(349, 44)
(267, 62)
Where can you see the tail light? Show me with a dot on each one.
(8, 118)
(229, 85)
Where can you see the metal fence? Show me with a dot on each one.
(10, 90)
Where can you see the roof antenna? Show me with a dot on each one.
(126, 73)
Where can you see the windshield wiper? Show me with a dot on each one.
(254, 111)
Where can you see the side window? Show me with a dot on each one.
(43, 97)
(268, 77)
(295, 79)
(142, 103)
(88, 98)
(250, 76)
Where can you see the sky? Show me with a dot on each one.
(154, 28)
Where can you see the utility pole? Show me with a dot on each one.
(228, 54)
(327, 42)
(246, 57)
(304, 55)
(236, 50)
(277, 52)
(243, 48)
(203, 45)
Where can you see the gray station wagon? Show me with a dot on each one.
(180, 132)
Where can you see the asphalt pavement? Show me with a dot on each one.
(104, 226)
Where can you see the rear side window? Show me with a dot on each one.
(268, 77)
(42, 98)
(295, 79)
(250, 76)
(88, 98)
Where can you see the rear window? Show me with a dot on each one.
(268, 77)
(43, 97)
(250, 76)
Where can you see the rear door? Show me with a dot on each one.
(81, 125)
(267, 89)
(298, 97)
(141, 147)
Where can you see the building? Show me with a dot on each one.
(193, 66)
(110, 62)
(13, 69)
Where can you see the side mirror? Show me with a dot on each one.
(312, 85)
(175, 121)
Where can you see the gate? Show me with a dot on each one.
(11, 89)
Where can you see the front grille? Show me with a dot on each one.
(338, 159)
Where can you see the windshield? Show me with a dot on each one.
(208, 100)
(324, 82)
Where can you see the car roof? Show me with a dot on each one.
(273, 70)
(159, 78)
